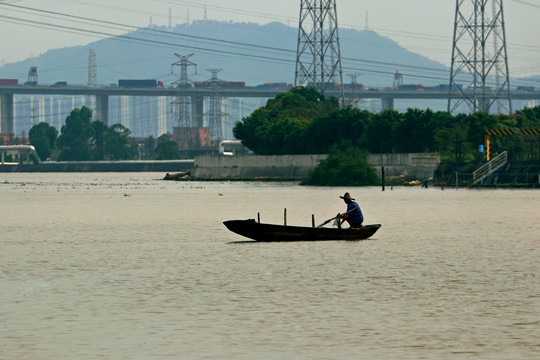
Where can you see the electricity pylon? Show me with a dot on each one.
(182, 103)
(92, 69)
(215, 113)
(479, 75)
(318, 54)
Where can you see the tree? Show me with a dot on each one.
(335, 126)
(167, 149)
(98, 140)
(74, 141)
(415, 131)
(43, 137)
(381, 132)
(279, 127)
(346, 165)
(83, 139)
(118, 145)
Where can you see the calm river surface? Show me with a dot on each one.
(127, 266)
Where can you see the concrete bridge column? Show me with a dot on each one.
(102, 108)
(6, 113)
(387, 103)
(197, 111)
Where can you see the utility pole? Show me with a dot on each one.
(182, 104)
(318, 54)
(479, 75)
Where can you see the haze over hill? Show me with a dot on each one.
(244, 51)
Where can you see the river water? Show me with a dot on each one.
(127, 266)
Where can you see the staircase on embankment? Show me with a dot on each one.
(489, 168)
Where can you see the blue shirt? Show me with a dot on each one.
(355, 216)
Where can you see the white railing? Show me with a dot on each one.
(490, 167)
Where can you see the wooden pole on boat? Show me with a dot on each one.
(285, 217)
(259, 218)
(312, 220)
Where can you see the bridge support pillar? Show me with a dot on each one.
(197, 111)
(387, 103)
(102, 108)
(6, 113)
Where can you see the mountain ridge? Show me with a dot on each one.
(247, 52)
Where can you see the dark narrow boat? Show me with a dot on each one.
(269, 232)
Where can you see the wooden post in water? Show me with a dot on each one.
(285, 217)
(382, 177)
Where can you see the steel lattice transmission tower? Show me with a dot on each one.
(479, 75)
(92, 69)
(182, 104)
(318, 54)
(215, 114)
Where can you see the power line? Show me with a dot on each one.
(172, 36)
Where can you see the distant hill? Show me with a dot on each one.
(373, 56)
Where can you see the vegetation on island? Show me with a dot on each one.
(302, 121)
(346, 165)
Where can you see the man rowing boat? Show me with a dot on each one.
(354, 215)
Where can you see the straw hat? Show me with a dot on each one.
(347, 196)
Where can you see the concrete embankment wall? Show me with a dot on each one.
(411, 166)
(278, 167)
(102, 166)
(272, 167)
(297, 167)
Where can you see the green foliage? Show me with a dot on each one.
(279, 127)
(118, 144)
(331, 128)
(74, 141)
(304, 122)
(43, 137)
(346, 165)
(83, 139)
(167, 149)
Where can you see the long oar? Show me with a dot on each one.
(338, 215)
(327, 221)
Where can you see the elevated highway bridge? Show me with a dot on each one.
(197, 95)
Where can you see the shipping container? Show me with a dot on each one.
(273, 86)
(202, 84)
(447, 87)
(232, 84)
(525, 88)
(410, 87)
(354, 86)
(9, 82)
(138, 83)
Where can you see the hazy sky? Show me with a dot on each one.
(423, 26)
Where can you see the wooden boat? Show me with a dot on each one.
(270, 232)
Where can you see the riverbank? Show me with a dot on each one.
(514, 174)
(297, 167)
(101, 166)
